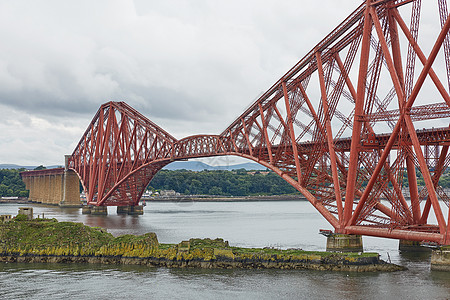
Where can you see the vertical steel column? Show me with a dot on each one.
(397, 61)
(413, 134)
(437, 174)
(250, 147)
(330, 142)
(266, 136)
(292, 133)
(357, 123)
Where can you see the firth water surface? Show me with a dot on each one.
(290, 224)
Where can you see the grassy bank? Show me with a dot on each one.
(49, 238)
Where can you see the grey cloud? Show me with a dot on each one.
(46, 104)
(190, 67)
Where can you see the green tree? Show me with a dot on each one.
(11, 184)
(220, 182)
(215, 190)
(3, 190)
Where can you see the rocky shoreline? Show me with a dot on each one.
(360, 265)
(49, 241)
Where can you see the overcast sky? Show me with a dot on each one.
(190, 66)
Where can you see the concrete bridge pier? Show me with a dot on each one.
(70, 187)
(95, 210)
(40, 190)
(86, 210)
(122, 210)
(130, 210)
(136, 210)
(411, 246)
(70, 190)
(59, 186)
(344, 242)
(46, 189)
(440, 259)
(51, 194)
(56, 189)
(99, 210)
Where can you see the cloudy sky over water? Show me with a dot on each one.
(190, 66)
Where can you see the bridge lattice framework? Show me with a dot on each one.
(341, 126)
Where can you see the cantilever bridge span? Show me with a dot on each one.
(351, 126)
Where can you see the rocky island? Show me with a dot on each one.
(50, 241)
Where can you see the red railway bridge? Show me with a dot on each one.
(350, 126)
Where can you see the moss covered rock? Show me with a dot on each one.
(50, 237)
(45, 240)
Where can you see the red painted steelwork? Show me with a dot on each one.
(349, 150)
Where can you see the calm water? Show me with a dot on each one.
(255, 224)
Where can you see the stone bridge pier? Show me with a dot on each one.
(59, 186)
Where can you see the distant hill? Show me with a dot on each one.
(13, 166)
(177, 165)
(247, 166)
(200, 166)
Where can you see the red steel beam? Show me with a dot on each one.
(122, 150)
(334, 171)
(357, 124)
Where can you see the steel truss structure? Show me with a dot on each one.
(350, 126)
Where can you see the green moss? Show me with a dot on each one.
(41, 234)
(20, 217)
(208, 243)
(146, 239)
(166, 246)
(50, 237)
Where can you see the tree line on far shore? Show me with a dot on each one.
(217, 182)
(221, 183)
(11, 185)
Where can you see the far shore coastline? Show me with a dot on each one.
(189, 198)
